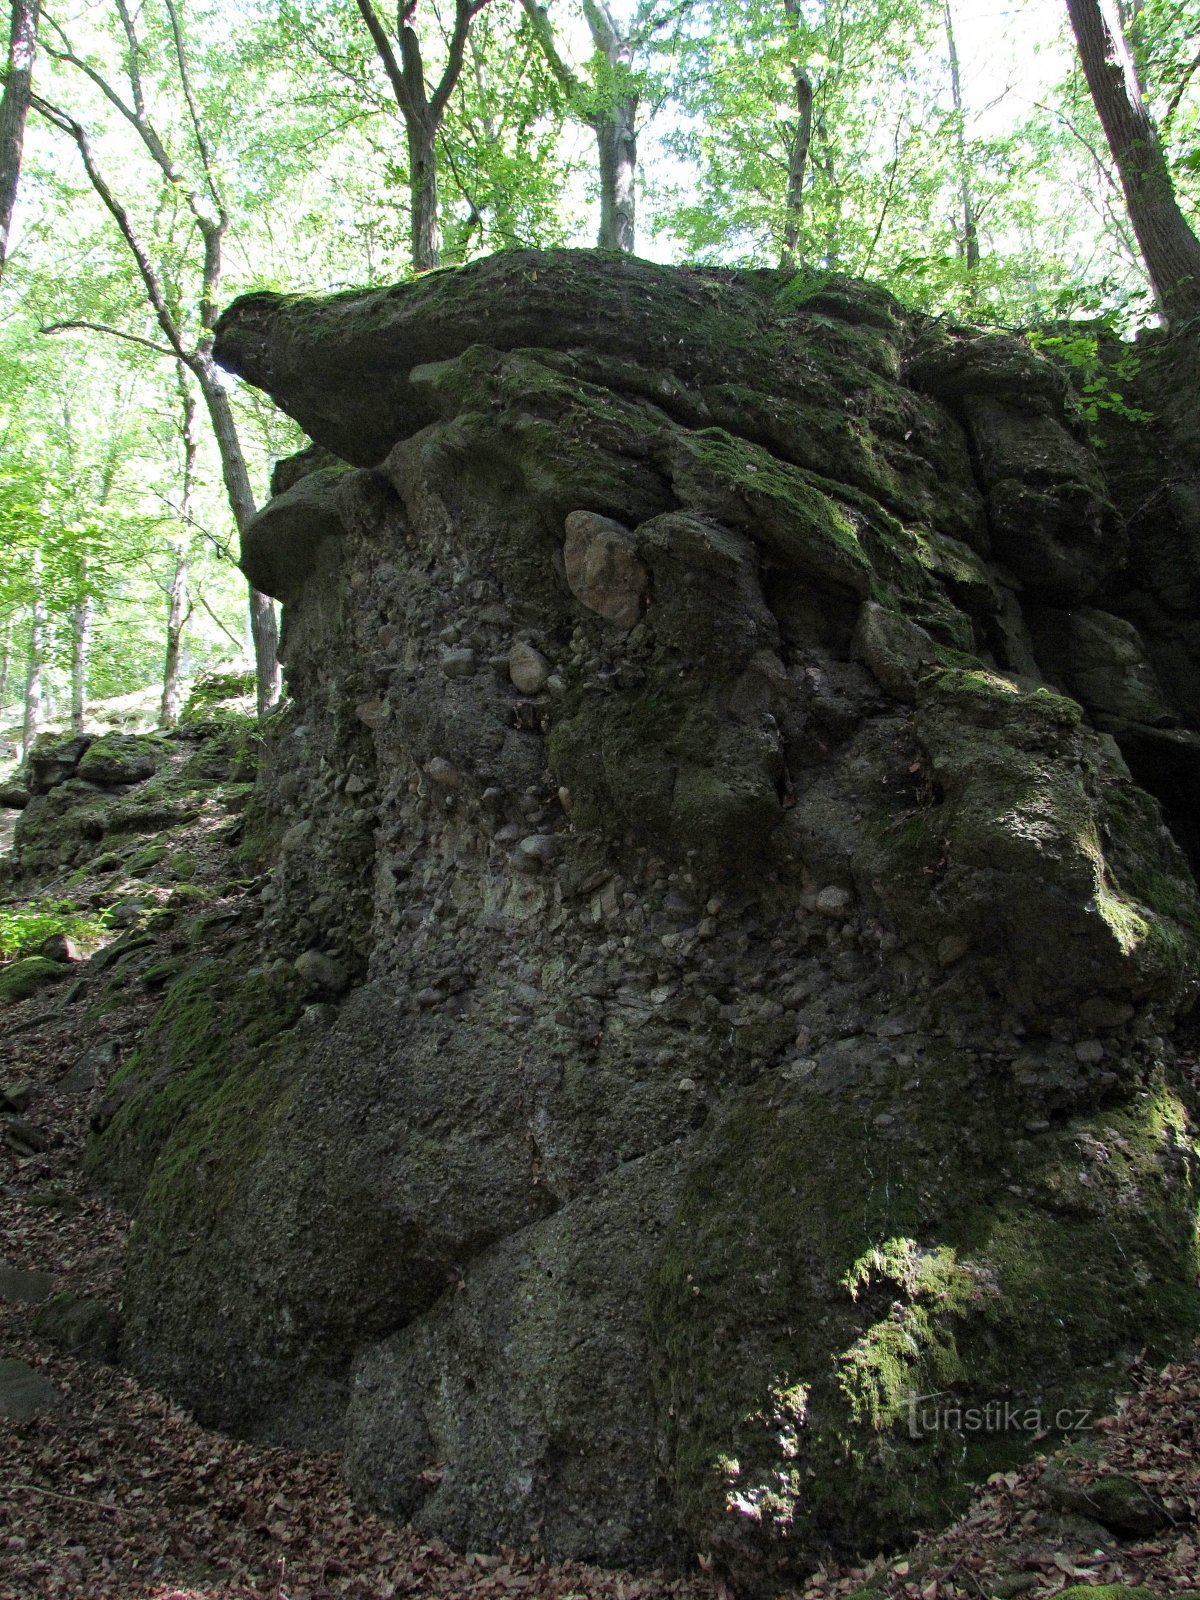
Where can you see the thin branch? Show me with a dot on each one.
(154, 293)
(543, 32)
(116, 333)
(383, 47)
(464, 12)
(237, 643)
(185, 79)
(1180, 91)
(133, 65)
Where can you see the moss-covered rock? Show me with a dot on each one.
(122, 758)
(20, 979)
(842, 1371)
(193, 1082)
(790, 921)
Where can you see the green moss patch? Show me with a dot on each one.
(20, 979)
(858, 1281)
(194, 1076)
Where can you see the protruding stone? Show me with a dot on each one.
(534, 851)
(321, 974)
(458, 663)
(24, 1392)
(442, 772)
(527, 668)
(834, 901)
(603, 569)
(895, 650)
(58, 947)
(952, 948)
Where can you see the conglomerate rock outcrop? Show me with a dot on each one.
(741, 954)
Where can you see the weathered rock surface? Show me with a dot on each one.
(761, 955)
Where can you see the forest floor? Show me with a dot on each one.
(114, 1493)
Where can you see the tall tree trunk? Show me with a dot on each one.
(423, 185)
(6, 662)
(34, 714)
(263, 625)
(14, 108)
(797, 168)
(1169, 247)
(177, 605)
(81, 647)
(177, 615)
(616, 143)
(968, 243)
(798, 149)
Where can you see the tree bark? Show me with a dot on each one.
(423, 186)
(33, 675)
(616, 144)
(1169, 248)
(263, 625)
(968, 243)
(14, 108)
(177, 615)
(177, 604)
(798, 150)
(6, 662)
(423, 113)
(81, 648)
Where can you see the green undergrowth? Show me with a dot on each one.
(23, 927)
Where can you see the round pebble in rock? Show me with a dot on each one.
(443, 773)
(834, 902)
(527, 668)
(458, 663)
(535, 850)
(320, 973)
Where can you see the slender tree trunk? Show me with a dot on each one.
(968, 244)
(177, 605)
(6, 662)
(34, 713)
(798, 150)
(1169, 247)
(14, 108)
(81, 647)
(263, 625)
(616, 143)
(797, 169)
(177, 615)
(423, 184)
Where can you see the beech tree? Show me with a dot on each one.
(200, 191)
(423, 112)
(1169, 247)
(608, 98)
(14, 108)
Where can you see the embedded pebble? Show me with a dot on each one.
(528, 668)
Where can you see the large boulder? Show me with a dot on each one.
(754, 979)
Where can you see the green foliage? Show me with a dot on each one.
(24, 927)
(1101, 371)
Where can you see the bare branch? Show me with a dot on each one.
(383, 47)
(120, 216)
(464, 12)
(116, 333)
(1180, 91)
(185, 80)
